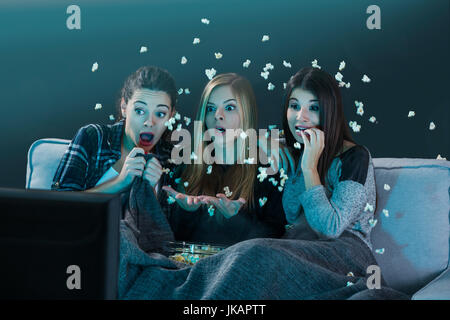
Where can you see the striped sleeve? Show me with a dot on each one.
(73, 170)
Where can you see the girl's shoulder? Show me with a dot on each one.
(354, 162)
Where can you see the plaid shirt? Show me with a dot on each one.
(93, 150)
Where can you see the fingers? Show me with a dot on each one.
(305, 140)
(134, 151)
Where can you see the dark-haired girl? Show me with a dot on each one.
(103, 158)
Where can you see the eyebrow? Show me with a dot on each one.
(312, 100)
(223, 102)
(159, 105)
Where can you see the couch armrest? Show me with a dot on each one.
(438, 289)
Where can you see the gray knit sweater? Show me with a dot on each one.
(347, 204)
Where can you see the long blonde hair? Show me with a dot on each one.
(239, 178)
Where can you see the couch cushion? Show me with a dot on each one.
(44, 156)
(415, 235)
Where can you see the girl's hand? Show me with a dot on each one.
(188, 203)
(226, 207)
(153, 172)
(132, 167)
(313, 145)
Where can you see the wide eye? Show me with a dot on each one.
(139, 111)
(160, 114)
(314, 107)
(294, 106)
(230, 107)
(210, 109)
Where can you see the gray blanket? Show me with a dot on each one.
(295, 267)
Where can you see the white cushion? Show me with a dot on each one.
(44, 156)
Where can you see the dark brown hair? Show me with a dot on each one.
(332, 119)
(152, 78)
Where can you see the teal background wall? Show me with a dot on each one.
(48, 90)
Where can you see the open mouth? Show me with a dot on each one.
(146, 138)
(221, 130)
(299, 129)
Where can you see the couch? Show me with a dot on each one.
(410, 239)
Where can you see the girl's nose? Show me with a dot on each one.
(302, 114)
(149, 121)
(219, 114)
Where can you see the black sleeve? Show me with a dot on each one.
(355, 164)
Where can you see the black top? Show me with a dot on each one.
(267, 221)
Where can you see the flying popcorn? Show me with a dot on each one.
(170, 200)
(187, 120)
(94, 67)
(265, 74)
(341, 84)
(338, 76)
(228, 193)
(380, 251)
(268, 66)
(270, 86)
(209, 169)
(284, 85)
(274, 182)
(143, 49)
(211, 210)
(365, 79)
(246, 63)
(262, 201)
(373, 222)
(218, 55)
(210, 73)
(98, 106)
(411, 114)
(372, 119)
(297, 145)
(177, 116)
(314, 64)
(360, 111)
(286, 64)
(183, 60)
(265, 38)
(440, 158)
(347, 85)
(205, 21)
(263, 174)
(187, 91)
(368, 208)
(386, 213)
(196, 41)
(432, 126)
(169, 123)
(342, 65)
(280, 188)
(349, 283)
(243, 135)
(111, 117)
(179, 127)
(387, 187)
(185, 184)
(350, 274)
(180, 91)
(355, 126)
